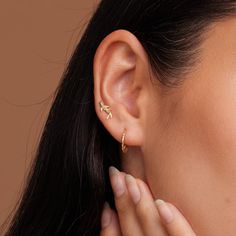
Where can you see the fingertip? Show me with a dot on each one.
(179, 223)
(165, 211)
(140, 183)
(106, 216)
(109, 222)
(133, 188)
(175, 211)
(144, 188)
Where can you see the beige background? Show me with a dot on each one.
(37, 38)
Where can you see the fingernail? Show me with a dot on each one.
(132, 188)
(117, 182)
(106, 215)
(164, 211)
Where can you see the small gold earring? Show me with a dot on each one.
(107, 109)
(123, 146)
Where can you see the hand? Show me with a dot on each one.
(138, 214)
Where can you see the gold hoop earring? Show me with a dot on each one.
(106, 108)
(123, 146)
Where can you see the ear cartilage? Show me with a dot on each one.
(106, 108)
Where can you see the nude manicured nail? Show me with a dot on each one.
(132, 188)
(164, 211)
(106, 215)
(117, 182)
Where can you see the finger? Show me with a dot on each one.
(109, 222)
(125, 208)
(146, 210)
(174, 221)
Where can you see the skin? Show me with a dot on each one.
(137, 213)
(182, 145)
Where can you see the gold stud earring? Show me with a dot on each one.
(123, 146)
(107, 109)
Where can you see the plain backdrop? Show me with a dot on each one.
(37, 38)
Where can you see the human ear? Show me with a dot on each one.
(121, 81)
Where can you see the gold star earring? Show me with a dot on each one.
(106, 108)
(123, 146)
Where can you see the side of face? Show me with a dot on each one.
(190, 138)
(181, 143)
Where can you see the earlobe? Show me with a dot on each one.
(119, 86)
